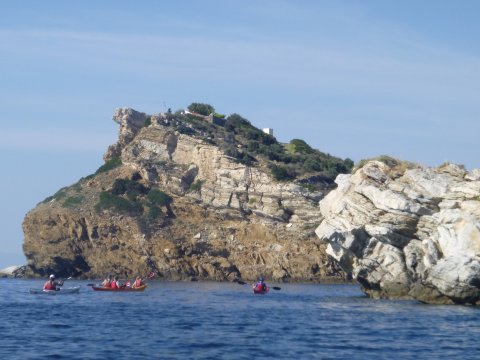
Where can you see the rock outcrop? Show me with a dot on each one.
(407, 232)
(15, 271)
(225, 220)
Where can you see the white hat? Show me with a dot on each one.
(52, 276)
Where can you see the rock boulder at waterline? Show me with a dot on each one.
(404, 231)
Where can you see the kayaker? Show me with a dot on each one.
(107, 282)
(51, 284)
(115, 284)
(260, 285)
(138, 282)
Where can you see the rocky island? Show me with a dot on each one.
(190, 195)
(196, 195)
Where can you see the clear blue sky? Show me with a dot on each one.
(355, 79)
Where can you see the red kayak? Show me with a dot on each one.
(257, 290)
(101, 288)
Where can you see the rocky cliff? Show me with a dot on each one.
(188, 200)
(404, 231)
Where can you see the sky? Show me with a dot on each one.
(355, 79)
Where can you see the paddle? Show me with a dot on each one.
(62, 281)
(244, 283)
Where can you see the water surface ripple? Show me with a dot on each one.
(226, 321)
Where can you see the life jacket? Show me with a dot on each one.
(137, 283)
(260, 286)
(114, 285)
(106, 284)
(49, 286)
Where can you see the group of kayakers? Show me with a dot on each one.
(109, 282)
(112, 282)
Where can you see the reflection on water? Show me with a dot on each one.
(226, 321)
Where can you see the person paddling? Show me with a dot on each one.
(138, 282)
(107, 283)
(51, 284)
(115, 284)
(260, 285)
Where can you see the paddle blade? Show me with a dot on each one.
(150, 275)
(276, 288)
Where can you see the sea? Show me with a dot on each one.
(209, 320)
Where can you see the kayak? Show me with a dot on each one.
(61, 291)
(101, 288)
(260, 291)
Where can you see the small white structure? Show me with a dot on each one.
(268, 131)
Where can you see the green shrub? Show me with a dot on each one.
(282, 173)
(148, 121)
(308, 187)
(154, 212)
(236, 123)
(73, 201)
(232, 151)
(197, 185)
(108, 200)
(182, 129)
(202, 109)
(119, 187)
(159, 198)
(297, 146)
(312, 164)
(253, 146)
(251, 134)
(267, 139)
(109, 165)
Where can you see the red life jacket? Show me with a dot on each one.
(113, 285)
(260, 286)
(49, 286)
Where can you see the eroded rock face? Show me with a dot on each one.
(407, 232)
(228, 221)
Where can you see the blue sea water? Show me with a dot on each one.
(205, 320)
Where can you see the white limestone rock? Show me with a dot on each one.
(407, 232)
(13, 271)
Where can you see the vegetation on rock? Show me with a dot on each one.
(202, 109)
(248, 145)
(129, 196)
(109, 165)
(396, 166)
